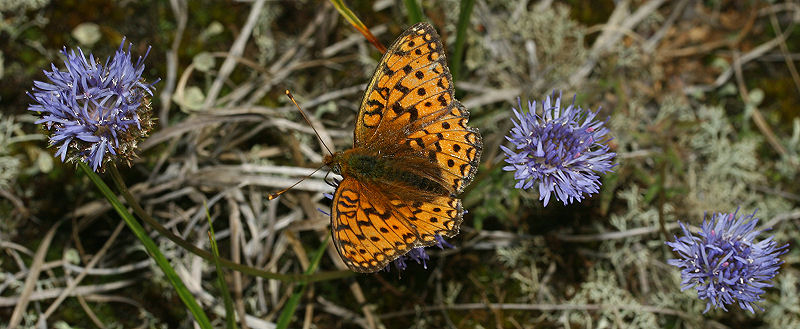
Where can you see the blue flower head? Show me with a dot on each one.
(562, 150)
(95, 112)
(725, 263)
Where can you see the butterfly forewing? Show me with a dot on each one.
(411, 84)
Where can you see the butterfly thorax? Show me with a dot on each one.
(383, 169)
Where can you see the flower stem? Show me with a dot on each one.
(183, 292)
(137, 209)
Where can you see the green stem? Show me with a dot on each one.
(137, 209)
(183, 292)
(461, 37)
(230, 317)
(414, 12)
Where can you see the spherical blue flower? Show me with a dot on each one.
(725, 263)
(561, 150)
(93, 111)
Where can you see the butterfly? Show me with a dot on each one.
(412, 154)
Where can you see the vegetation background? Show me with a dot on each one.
(702, 99)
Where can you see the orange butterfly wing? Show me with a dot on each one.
(409, 112)
(371, 229)
(411, 94)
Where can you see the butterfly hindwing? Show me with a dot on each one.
(441, 216)
(371, 228)
(452, 145)
(366, 232)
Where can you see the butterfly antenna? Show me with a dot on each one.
(277, 194)
(289, 94)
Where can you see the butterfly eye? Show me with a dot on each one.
(336, 168)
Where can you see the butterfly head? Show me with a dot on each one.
(334, 161)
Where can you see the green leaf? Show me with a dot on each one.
(230, 316)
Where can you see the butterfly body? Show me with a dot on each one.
(405, 177)
(412, 154)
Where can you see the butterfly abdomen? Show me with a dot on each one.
(368, 167)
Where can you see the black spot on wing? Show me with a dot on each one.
(401, 88)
